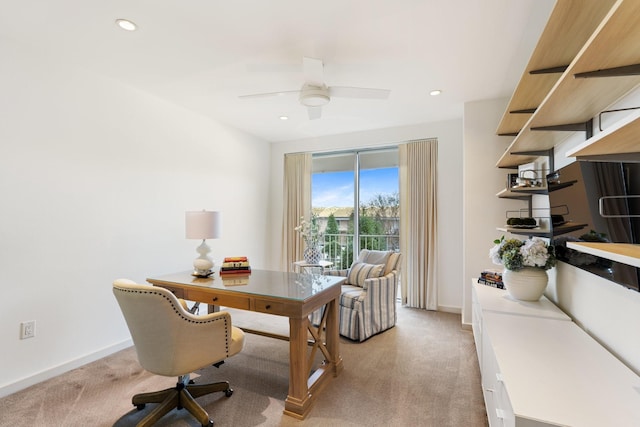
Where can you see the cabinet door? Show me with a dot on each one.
(476, 324)
(489, 369)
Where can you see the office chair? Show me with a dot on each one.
(170, 341)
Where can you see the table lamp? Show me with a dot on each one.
(202, 225)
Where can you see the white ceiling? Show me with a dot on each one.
(203, 54)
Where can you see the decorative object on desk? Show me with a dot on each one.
(237, 265)
(203, 225)
(311, 235)
(525, 261)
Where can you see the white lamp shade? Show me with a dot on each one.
(203, 224)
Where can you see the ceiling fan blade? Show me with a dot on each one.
(313, 71)
(359, 92)
(314, 112)
(270, 94)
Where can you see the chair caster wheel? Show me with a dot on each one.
(228, 392)
(141, 406)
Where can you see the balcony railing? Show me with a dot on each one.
(338, 248)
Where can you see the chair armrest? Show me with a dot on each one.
(391, 279)
(341, 273)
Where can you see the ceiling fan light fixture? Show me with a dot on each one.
(312, 96)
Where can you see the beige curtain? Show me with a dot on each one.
(297, 203)
(418, 216)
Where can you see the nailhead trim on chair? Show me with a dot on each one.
(179, 311)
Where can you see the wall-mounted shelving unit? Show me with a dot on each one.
(593, 39)
(603, 66)
(570, 26)
(605, 69)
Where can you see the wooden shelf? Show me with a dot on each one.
(620, 141)
(544, 231)
(524, 193)
(508, 194)
(625, 253)
(570, 25)
(572, 100)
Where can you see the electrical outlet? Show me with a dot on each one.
(27, 329)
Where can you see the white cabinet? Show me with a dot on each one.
(541, 369)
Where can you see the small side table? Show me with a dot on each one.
(304, 267)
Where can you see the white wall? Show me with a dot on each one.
(607, 311)
(449, 134)
(483, 211)
(94, 181)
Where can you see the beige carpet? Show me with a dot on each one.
(423, 372)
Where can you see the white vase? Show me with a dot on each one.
(526, 284)
(312, 255)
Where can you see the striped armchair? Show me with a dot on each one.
(368, 300)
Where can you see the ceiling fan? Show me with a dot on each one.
(314, 93)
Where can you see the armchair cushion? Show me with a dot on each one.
(360, 271)
(373, 257)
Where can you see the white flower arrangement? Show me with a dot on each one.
(309, 231)
(516, 254)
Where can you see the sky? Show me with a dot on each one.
(335, 189)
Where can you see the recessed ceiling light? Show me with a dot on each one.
(435, 92)
(284, 117)
(125, 24)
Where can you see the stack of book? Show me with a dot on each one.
(491, 278)
(237, 265)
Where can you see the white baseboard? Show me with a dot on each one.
(447, 309)
(8, 389)
(456, 310)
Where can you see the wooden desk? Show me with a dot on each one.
(283, 294)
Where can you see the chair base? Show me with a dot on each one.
(181, 396)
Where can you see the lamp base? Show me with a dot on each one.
(202, 275)
(203, 265)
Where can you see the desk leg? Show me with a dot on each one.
(302, 388)
(333, 336)
(298, 401)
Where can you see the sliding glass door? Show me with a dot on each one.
(355, 202)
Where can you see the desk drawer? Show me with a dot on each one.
(269, 307)
(233, 301)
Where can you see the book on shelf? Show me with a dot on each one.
(491, 277)
(492, 283)
(490, 274)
